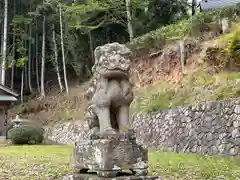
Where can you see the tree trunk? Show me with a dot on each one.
(26, 64)
(91, 46)
(13, 64)
(22, 84)
(37, 73)
(129, 19)
(43, 57)
(56, 59)
(193, 7)
(4, 54)
(29, 59)
(62, 45)
(14, 38)
(2, 30)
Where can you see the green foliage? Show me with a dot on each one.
(10, 126)
(21, 50)
(106, 21)
(233, 43)
(21, 19)
(230, 46)
(21, 61)
(173, 11)
(45, 9)
(167, 98)
(192, 26)
(26, 134)
(11, 61)
(196, 87)
(157, 39)
(159, 100)
(228, 91)
(94, 15)
(86, 25)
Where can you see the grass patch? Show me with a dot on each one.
(52, 162)
(34, 162)
(174, 166)
(195, 87)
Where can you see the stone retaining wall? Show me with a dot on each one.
(204, 128)
(67, 133)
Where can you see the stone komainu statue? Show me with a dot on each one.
(110, 93)
(112, 146)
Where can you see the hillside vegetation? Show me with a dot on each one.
(195, 87)
(210, 71)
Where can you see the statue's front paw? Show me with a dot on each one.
(94, 133)
(94, 136)
(139, 172)
(110, 131)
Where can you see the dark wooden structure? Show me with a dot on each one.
(7, 96)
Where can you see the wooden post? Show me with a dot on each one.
(1, 122)
(3, 118)
(182, 54)
(225, 22)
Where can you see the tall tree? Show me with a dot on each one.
(26, 47)
(43, 56)
(129, 19)
(14, 47)
(4, 53)
(22, 84)
(56, 57)
(62, 46)
(162, 12)
(30, 59)
(37, 61)
(194, 3)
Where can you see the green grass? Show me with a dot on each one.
(174, 166)
(34, 162)
(195, 87)
(44, 162)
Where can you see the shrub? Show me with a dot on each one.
(233, 42)
(10, 125)
(230, 46)
(26, 134)
(156, 101)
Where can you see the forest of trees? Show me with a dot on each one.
(45, 41)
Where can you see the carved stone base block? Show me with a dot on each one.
(111, 155)
(92, 177)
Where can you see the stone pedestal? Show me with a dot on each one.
(109, 156)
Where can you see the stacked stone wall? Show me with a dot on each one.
(204, 128)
